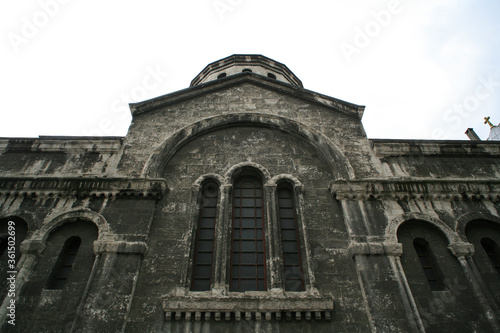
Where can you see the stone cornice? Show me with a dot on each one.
(426, 189)
(248, 307)
(62, 144)
(83, 187)
(386, 148)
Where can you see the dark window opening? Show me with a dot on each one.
(246, 70)
(64, 263)
(491, 249)
(271, 76)
(292, 261)
(205, 237)
(221, 76)
(248, 264)
(428, 264)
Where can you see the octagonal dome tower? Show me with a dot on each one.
(251, 63)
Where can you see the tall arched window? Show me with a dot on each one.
(64, 263)
(292, 262)
(428, 264)
(491, 249)
(248, 266)
(205, 236)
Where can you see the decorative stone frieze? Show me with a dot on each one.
(248, 307)
(83, 187)
(426, 189)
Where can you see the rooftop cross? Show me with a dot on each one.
(487, 121)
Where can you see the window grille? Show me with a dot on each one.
(248, 266)
(205, 237)
(428, 264)
(292, 263)
(64, 264)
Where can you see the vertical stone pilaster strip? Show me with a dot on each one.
(366, 304)
(79, 310)
(414, 315)
(299, 206)
(222, 241)
(275, 260)
(461, 251)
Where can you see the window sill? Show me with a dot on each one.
(248, 306)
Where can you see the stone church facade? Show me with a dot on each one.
(248, 203)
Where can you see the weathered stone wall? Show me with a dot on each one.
(215, 153)
(360, 203)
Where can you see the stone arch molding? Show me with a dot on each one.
(338, 163)
(284, 177)
(229, 176)
(86, 214)
(469, 217)
(393, 226)
(213, 176)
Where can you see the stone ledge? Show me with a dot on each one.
(384, 148)
(375, 248)
(63, 144)
(120, 247)
(412, 189)
(82, 187)
(460, 249)
(247, 307)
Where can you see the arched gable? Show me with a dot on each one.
(337, 162)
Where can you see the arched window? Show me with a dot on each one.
(64, 263)
(292, 262)
(247, 70)
(248, 266)
(491, 249)
(221, 76)
(428, 264)
(205, 236)
(271, 76)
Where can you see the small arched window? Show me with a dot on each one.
(428, 264)
(271, 76)
(64, 263)
(247, 70)
(221, 76)
(248, 265)
(292, 261)
(491, 249)
(205, 237)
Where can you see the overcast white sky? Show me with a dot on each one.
(423, 69)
